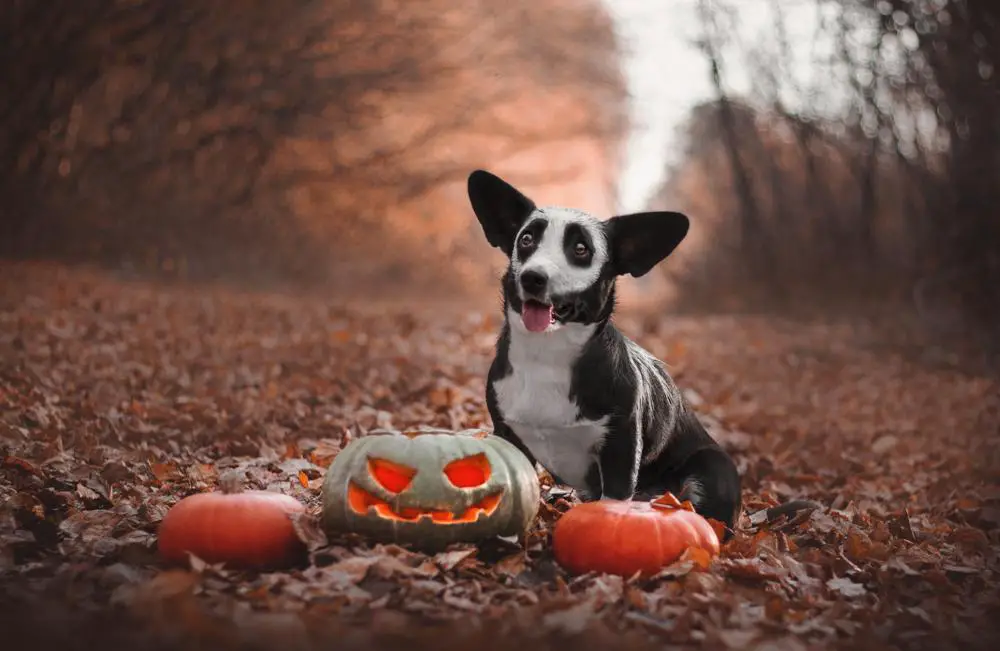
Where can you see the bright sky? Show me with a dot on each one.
(667, 75)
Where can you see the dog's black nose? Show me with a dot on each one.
(533, 282)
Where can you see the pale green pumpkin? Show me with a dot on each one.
(430, 488)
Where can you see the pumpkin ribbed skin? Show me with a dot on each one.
(243, 530)
(430, 511)
(621, 537)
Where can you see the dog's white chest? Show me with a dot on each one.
(534, 401)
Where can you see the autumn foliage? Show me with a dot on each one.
(317, 142)
(322, 145)
(886, 204)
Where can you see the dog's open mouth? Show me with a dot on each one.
(537, 316)
(564, 311)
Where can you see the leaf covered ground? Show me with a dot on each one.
(117, 399)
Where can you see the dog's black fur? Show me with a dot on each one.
(675, 453)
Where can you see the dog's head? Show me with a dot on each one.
(564, 262)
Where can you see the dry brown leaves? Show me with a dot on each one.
(116, 400)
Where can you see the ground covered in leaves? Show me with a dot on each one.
(117, 399)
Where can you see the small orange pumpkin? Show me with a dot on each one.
(243, 530)
(624, 537)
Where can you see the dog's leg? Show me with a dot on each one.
(710, 480)
(500, 428)
(595, 484)
(619, 464)
(693, 467)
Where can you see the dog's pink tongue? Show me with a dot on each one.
(536, 316)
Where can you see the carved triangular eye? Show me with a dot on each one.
(391, 476)
(468, 472)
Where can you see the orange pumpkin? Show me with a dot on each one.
(243, 530)
(624, 537)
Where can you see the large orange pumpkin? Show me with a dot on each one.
(625, 537)
(251, 529)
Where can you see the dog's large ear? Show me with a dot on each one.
(500, 208)
(641, 240)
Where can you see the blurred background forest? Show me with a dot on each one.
(325, 144)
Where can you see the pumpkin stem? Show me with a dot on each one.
(231, 482)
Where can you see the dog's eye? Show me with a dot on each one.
(526, 240)
(580, 250)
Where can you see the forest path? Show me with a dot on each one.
(117, 398)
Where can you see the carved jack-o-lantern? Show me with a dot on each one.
(430, 489)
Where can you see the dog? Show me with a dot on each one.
(566, 387)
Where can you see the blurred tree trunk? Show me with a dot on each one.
(900, 199)
(966, 70)
(749, 218)
(50, 60)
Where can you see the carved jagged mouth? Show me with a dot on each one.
(362, 502)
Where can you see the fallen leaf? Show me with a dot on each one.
(511, 565)
(356, 568)
(701, 558)
(570, 620)
(91, 525)
(164, 472)
(960, 569)
(324, 452)
(718, 527)
(884, 444)
(675, 570)
(900, 526)
(86, 493)
(737, 638)
(448, 560)
(165, 585)
(669, 501)
(308, 530)
(897, 564)
(846, 587)
(23, 465)
(749, 568)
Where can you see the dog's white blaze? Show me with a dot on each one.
(642, 399)
(550, 257)
(648, 378)
(535, 403)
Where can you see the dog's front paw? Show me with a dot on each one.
(693, 490)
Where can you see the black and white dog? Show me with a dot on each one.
(573, 393)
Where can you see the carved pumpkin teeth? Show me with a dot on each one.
(361, 501)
